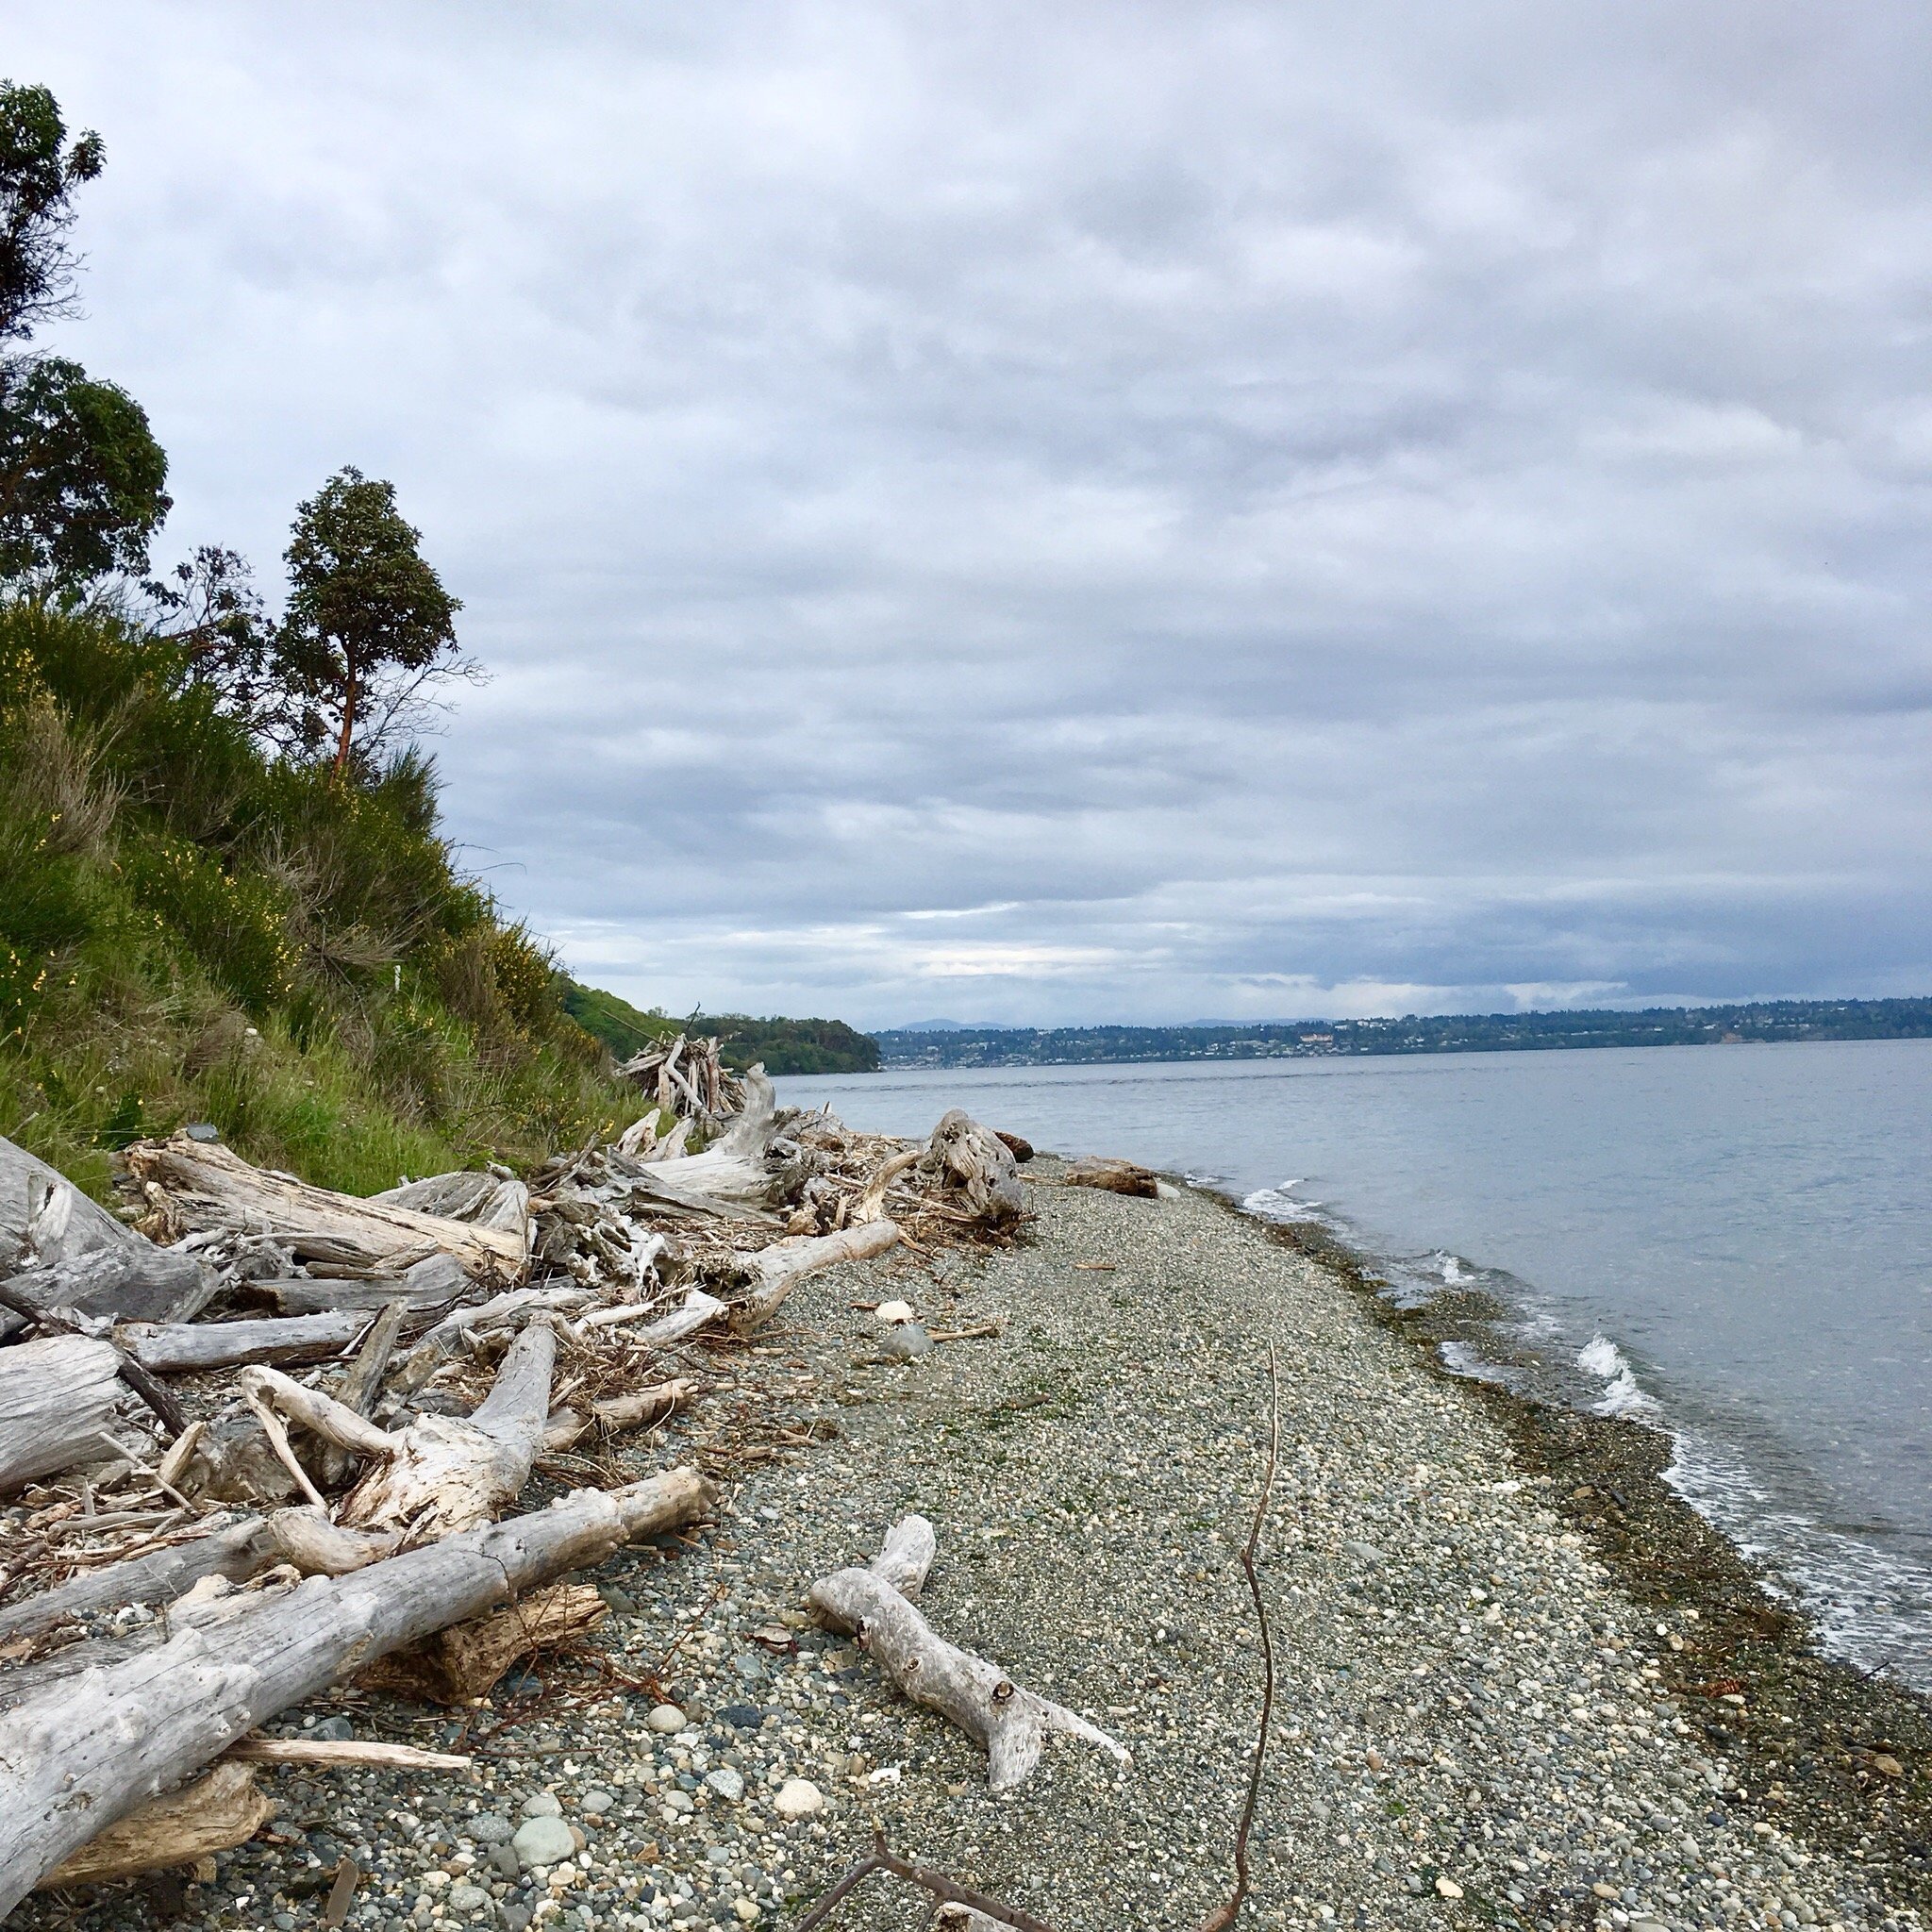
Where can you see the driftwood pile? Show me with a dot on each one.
(688, 1081)
(271, 1438)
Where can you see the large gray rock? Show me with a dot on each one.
(542, 1842)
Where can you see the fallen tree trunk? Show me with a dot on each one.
(235, 1551)
(775, 1271)
(190, 1185)
(175, 1348)
(964, 1154)
(441, 1473)
(212, 1814)
(81, 1756)
(57, 1397)
(449, 1334)
(876, 1604)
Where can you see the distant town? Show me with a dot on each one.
(942, 1043)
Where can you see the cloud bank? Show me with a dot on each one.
(1093, 512)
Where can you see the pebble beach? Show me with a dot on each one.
(1477, 1721)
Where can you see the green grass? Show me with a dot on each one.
(192, 930)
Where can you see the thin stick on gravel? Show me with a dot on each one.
(946, 1890)
(1221, 1920)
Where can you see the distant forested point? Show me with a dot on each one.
(1760, 1020)
(784, 1046)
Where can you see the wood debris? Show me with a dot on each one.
(276, 1436)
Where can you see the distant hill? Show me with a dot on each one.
(1758, 1021)
(785, 1046)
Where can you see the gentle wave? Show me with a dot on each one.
(1868, 1604)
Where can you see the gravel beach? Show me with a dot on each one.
(1475, 1722)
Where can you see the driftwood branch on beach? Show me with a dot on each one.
(80, 1756)
(876, 1604)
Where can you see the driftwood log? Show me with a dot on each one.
(441, 1474)
(58, 1395)
(192, 1185)
(234, 1551)
(972, 1159)
(212, 1814)
(772, 1273)
(467, 1660)
(45, 1220)
(174, 1348)
(732, 1172)
(83, 1756)
(1114, 1178)
(135, 1281)
(875, 1604)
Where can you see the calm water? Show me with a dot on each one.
(1735, 1243)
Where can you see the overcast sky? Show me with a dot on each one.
(1056, 513)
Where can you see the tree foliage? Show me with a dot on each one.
(370, 628)
(81, 476)
(40, 169)
(82, 479)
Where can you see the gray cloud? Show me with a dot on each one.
(1108, 511)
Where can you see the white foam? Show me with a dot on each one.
(1869, 1604)
(1280, 1204)
(1600, 1357)
(1455, 1273)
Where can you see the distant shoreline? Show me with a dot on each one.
(1758, 1023)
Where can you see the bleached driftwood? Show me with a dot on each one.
(174, 1348)
(135, 1281)
(362, 1382)
(872, 1200)
(57, 1397)
(1114, 1178)
(467, 1660)
(643, 1407)
(772, 1273)
(697, 1311)
(496, 1199)
(45, 1220)
(964, 1155)
(81, 1756)
(459, 1324)
(212, 1814)
(337, 1752)
(191, 1185)
(876, 1604)
(232, 1551)
(425, 1288)
(617, 1415)
(732, 1171)
(441, 1473)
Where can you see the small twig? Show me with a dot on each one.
(1221, 1920)
(946, 1890)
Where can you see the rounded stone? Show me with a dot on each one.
(666, 1719)
(489, 1828)
(542, 1805)
(798, 1797)
(727, 1783)
(597, 1802)
(542, 1840)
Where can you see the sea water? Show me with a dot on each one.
(1733, 1244)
